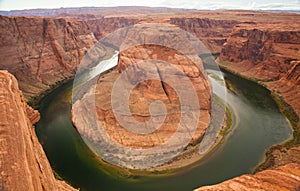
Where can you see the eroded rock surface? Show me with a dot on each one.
(41, 52)
(213, 32)
(263, 52)
(146, 69)
(269, 54)
(23, 163)
(149, 91)
(283, 178)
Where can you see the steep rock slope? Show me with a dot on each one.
(270, 54)
(213, 32)
(23, 163)
(263, 52)
(41, 52)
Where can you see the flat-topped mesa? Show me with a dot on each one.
(23, 163)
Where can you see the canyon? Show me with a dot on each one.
(43, 52)
(165, 80)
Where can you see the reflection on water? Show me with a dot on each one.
(260, 125)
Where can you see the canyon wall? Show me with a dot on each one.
(23, 163)
(41, 52)
(153, 69)
(212, 32)
(270, 55)
(263, 52)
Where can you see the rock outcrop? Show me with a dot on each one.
(23, 163)
(283, 178)
(150, 90)
(147, 72)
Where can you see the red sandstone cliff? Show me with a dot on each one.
(270, 54)
(23, 163)
(41, 52)
(212, 32)
(263, 52)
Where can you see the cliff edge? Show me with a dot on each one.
(23, 163)
(283, 178)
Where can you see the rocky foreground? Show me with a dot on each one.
(23, 163)
(283, 178)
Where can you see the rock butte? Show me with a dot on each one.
(40, 52)
(23, 164)
(144, 94)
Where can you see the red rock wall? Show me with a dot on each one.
(212, 32)
(269, 54)
(23, 163)
(263, 52)
(41, 52)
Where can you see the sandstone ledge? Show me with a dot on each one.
(283, 178)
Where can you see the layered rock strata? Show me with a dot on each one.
(147, 70)
(23, 163)
(41, 52)
(212, 32)
(269, 54)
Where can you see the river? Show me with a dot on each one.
(258, 125)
